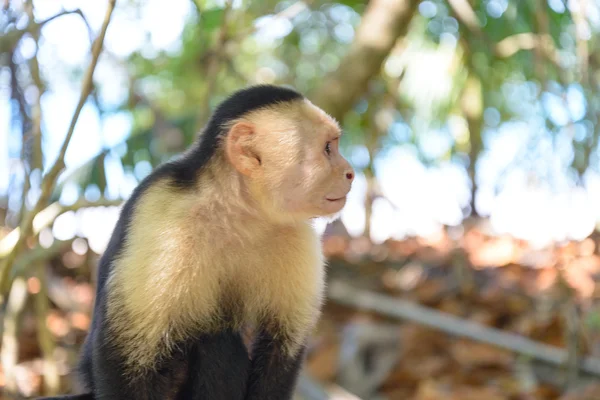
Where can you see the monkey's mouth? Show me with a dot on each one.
(338, 199)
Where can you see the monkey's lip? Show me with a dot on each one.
(338, 199)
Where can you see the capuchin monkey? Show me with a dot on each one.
(213, 243)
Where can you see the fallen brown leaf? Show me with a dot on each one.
(476, 355)
(590, 392)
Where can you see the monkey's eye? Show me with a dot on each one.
(328, 148)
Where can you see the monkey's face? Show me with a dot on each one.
(320, 179)
(291, 158)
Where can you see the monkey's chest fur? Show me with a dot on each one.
(173, 279)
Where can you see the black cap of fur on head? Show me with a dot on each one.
(252, 98)
(247, 100)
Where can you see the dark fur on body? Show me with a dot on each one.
(212, 366)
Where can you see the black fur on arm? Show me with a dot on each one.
(273, 374)
(218, 368)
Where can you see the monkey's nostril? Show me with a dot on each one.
(349, 175)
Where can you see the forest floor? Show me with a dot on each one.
(546, 295)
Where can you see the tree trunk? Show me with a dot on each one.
(472, 108)
(369, 197)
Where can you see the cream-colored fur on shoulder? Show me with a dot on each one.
(190, 253)
(187, 252)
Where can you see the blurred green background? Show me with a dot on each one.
(472, 125)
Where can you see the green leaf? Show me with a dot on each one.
(212, 19)
(357, 5)
(98, 173)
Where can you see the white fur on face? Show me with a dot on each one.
(297, 176)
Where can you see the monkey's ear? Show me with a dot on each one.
(239, 148)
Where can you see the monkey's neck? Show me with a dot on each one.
(232, 199)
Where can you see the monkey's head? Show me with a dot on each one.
(287, 154)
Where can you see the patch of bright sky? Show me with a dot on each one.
(557, 5)
(269, 28)
(422, 198)
(420, 60)
(419, 201)
(495, 8)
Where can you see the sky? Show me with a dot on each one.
(419, 199)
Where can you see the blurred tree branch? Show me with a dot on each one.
(383, 22)
(198, 7)
(591, 84)
(309, 389)
(39, 254)
(9, 40)
(541, 25)
(345, 294)
(590, 143)
(474, 39)
(372, 134)
(50, 178)
(30, 112)
(578, 13)
(10, 335)
(287, 13)
(510, 45)
(36, 157)
(472, 98)
(214, 61)
(46, 217)
(46, 341)
(16, 94)
(472, 104)
(465, 14)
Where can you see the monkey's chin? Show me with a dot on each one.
(332, 208)
(329, 218)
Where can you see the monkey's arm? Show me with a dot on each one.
(218, 368)
(112, 380)
(273, 374)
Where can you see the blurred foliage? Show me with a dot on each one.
(524, 61)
